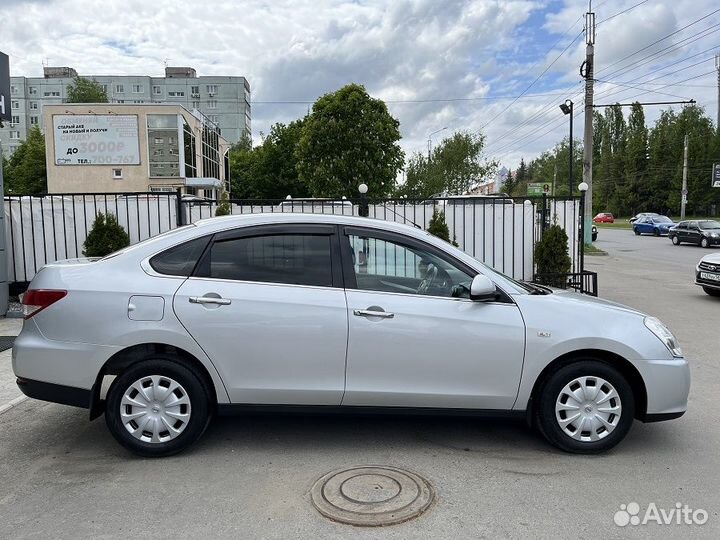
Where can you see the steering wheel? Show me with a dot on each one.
(430, 276)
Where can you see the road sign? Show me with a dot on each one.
(540, 188)
(5, 113)
(716, 175)
(684, 192)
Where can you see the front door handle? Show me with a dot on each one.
(210, 300)
(372, 313)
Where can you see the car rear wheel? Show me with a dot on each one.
(157, 408)
(705, 243)
(586, 407)
(676, 240)
(636, 231)
(711, 292)
(656, 232)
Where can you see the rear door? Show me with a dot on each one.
(267, 306)
(693, 232)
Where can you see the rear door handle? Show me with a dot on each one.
(372, 313)
(210, 300)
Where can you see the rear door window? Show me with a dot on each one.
(180, 260)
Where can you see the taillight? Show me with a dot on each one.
(36, 300)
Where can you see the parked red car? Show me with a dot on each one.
(604, 217)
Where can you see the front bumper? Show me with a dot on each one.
(667, 383)
(56, 393)
(708, 283)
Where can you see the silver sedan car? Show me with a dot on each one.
(292, 311)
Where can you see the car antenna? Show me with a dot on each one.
(404, 217)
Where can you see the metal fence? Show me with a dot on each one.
(501, 232)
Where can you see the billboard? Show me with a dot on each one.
(5, 88)
(716, 175)
(96, 139)
(539, 188)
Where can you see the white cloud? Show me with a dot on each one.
(301, 49)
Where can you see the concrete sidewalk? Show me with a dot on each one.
(9, 391)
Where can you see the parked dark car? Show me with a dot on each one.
(703, 232)
(707, 274)
(642, 215)
(657, 225)
(594, 233)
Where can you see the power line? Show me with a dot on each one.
(620, 13)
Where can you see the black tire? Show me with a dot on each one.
(705, 243)
(656, 232)
(675, 240)
(198, 394)
(637, 232)
(550, 391)
(594, 237)
(711, 292)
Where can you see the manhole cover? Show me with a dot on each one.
(372, 496)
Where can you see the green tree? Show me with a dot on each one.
(439, 227)
(83, 90)
(636, 162)
(223, 209)
(349, 139)
(26, 170)
(106, 236)
(458, 161)
(509, 186)
(552, 258)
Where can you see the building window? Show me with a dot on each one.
(195, 91)
(163, 145)
(138, 101)
(14, 134)
(214, 118)
(13, 89)
(14, 120)
(212, 89)
(176, 94)
(34, 105)
(212, 104)
(210, 150)
(119, 89)
(104, 88)
(33, 120)
(15, 105)
(117, 173)
(119, 101)
(53, 93)
(157, 90)
(138, 89)
(32, 90)
(195, 104)
(189, 147)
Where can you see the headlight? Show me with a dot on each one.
(663, 334)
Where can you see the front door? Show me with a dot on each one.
(415, 338)
(267, 306)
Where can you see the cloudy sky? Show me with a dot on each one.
(458, 64)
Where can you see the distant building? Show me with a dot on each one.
(132, 148)
(224, 100)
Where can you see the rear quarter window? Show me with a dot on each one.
(180, 260)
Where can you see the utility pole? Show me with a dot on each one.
(588, 135)
(717, 67)
(684, 188)
(555, 177)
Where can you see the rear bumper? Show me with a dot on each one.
(55, 393)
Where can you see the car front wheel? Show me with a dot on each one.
(636, 231)
(705, 243)
(656, 232)
(157, 408)
(586, 407)
(711, 292)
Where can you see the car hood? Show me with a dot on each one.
(564, 295)
(713, 258)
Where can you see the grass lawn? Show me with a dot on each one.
(592, 250)
(619, 224)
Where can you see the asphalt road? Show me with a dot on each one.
(249, 477)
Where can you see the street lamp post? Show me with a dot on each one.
(364, 210)
(430, 141)
(567, 108)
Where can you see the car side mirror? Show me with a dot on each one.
(482, 289)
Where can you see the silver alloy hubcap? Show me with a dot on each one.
(155, 409)
(588, 409)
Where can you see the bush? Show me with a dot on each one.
(551, 257)
(105, 237)
(223, 209)
(438, 227)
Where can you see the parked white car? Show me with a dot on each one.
(707, 274)
(334, 312)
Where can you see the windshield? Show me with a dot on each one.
(662, 219)
(709, 224)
